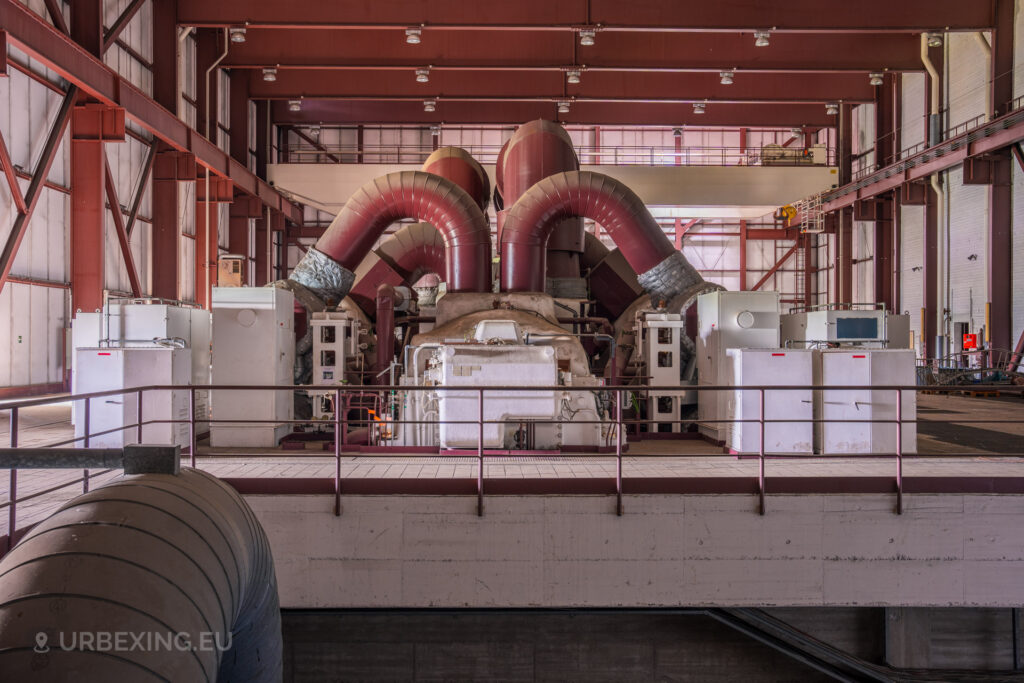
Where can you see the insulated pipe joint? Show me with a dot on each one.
(671, 278)
(323, 276)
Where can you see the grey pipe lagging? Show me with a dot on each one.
(149, 578)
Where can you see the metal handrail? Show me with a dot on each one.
(342, 395)
(617, 155)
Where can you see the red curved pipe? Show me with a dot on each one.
(458, 166)
(424, 197)
(578, 193)
(414, 251)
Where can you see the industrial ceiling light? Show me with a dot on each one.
(413, 35)
(727, 77)
(422, 75)
(934, 40)
(237, 35)
(429, 106)
(876, 78)
(587, 36)
(563, 107)
(270, 74)
(761, 38)
(294, 105)
(572, 76)
(831, 109)
(698, 107)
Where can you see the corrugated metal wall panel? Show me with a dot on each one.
(914, 111)
(863, 266)
(32, 317)
(968, 225)
(912, 265)
(967, 78)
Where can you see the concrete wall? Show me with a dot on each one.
(419, 551)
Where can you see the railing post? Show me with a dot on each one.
(480, 456)
(337, 452)
(899, 451)
(618, 452)
(192, 426)
(88, 428)
(138, 434)
(760, 453)
(12, 509)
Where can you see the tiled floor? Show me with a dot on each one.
(946, 442)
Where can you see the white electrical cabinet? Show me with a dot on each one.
(105, 368)
(149, 325)
(772, 367)
(729, 320)
(253, 344)
(868, 368)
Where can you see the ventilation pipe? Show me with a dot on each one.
(941, 238)
(327, 269)
(178, 560)
(536, 150)
(665, 273)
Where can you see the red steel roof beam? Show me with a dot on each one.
(867, 16)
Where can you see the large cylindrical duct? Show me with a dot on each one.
(413, 251)
(664, 272)
(151, 578)
(459, 166)
(328, 268)
(417, 249)
(535, 151)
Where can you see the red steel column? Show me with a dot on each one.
(206, 260)
(1000, 272)
(166, 228)
(844, 235)
(87, 173)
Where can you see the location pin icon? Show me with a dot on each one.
(41, 639)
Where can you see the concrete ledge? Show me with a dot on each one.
(557, 551)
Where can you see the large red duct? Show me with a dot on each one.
(459, 166)
(417, 249)
(402, 259)
(328, 268)
(536, 150)
(664, 272)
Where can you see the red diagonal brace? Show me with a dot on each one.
(122, 21)
(12, 177)
(122, 234)
(38, 180)
(775, 268)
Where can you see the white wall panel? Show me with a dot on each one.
(968, 226)
(912, 265)
(864, 265)
(914, 111)
(1017, 266)
(967, 78)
